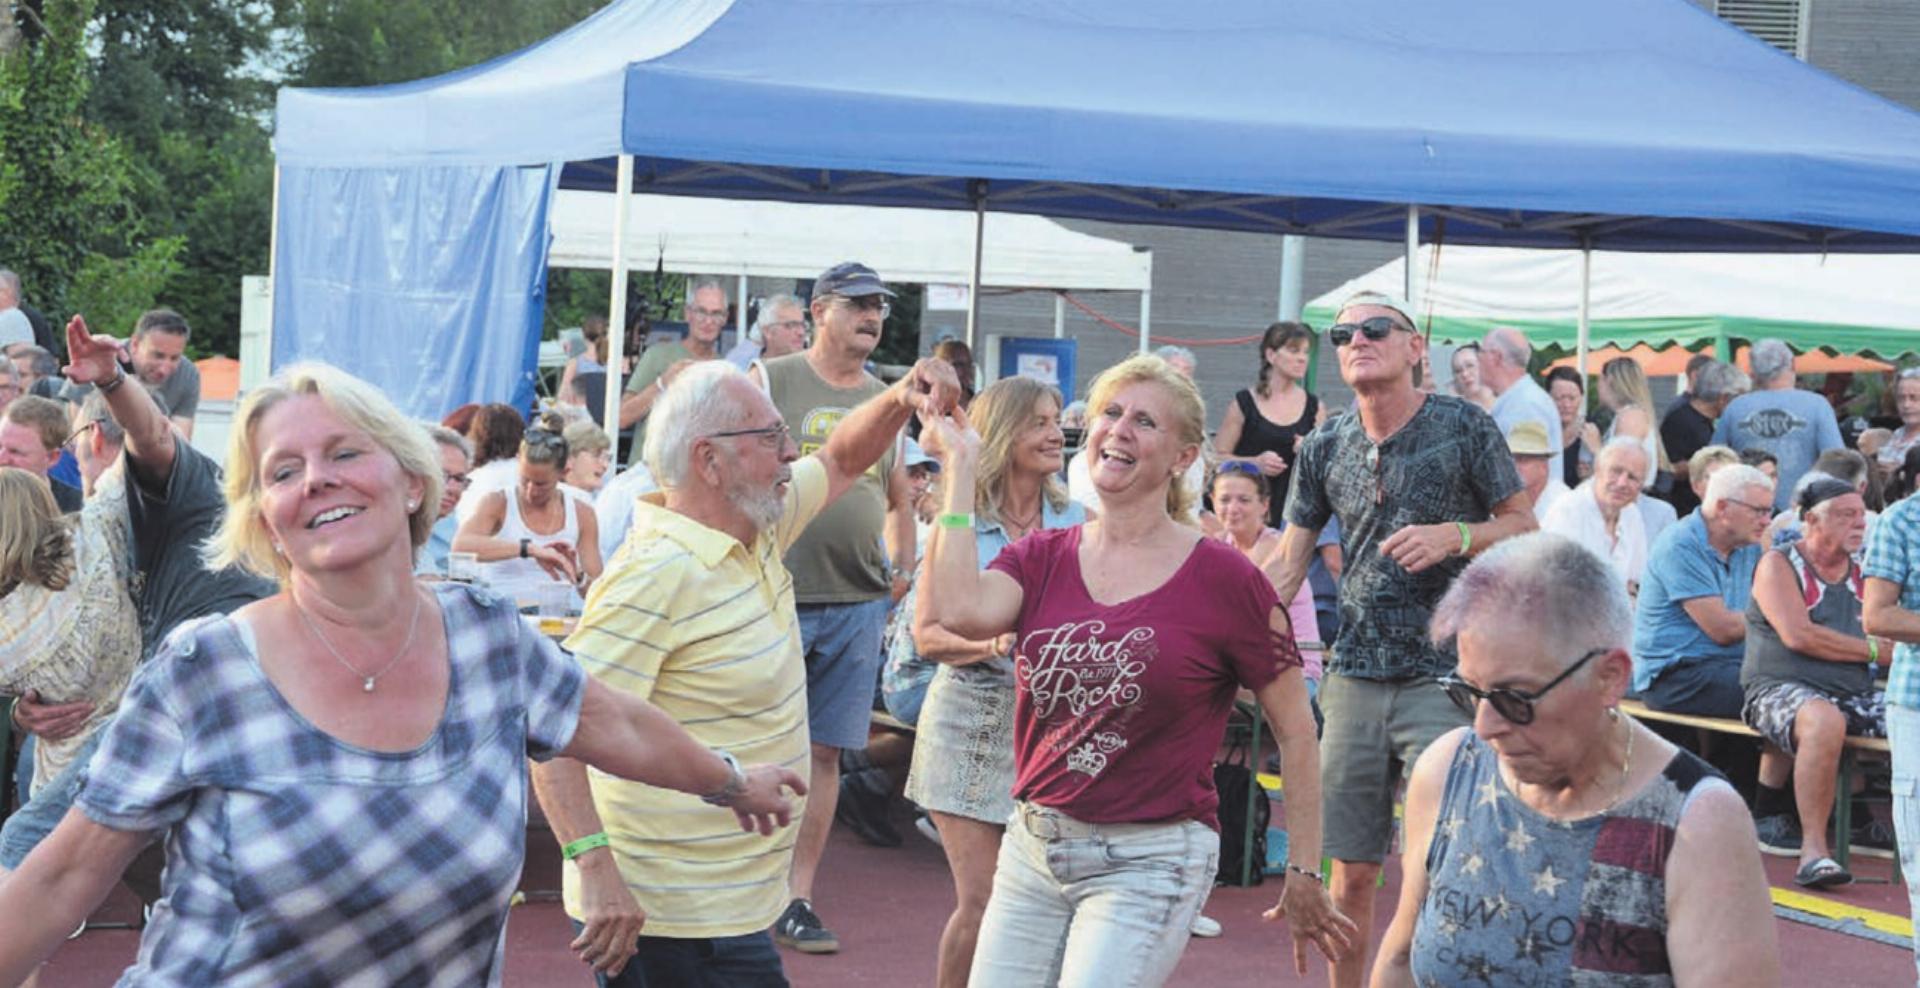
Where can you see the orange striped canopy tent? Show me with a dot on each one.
(1673, 360)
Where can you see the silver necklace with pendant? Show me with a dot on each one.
(366, 681)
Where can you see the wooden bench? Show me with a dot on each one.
(1843, 788)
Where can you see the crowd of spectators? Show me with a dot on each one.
(1053, 606)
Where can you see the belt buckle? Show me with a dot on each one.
(1040, 823)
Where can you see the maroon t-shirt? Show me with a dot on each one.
(1119, 708)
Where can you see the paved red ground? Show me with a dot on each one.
(888, 906)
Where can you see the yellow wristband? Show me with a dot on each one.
(583, 845)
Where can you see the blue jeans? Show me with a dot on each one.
(25, 829)
(1702, 687)
(1903, 732)
(842, 643)
(1092, 905)
(746, 961)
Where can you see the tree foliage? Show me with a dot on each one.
(136, 166)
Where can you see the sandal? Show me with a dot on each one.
(1821, 873)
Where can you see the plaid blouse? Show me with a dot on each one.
(294, 858)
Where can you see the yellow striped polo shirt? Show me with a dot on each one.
(703, 627)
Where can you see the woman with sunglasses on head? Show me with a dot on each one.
(1559, 841)
(538, 532)
(1266, 422)
(1133, 635)
(962, 770)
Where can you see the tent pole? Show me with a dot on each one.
(1059, 316)
(740, 313)
(1146, 320)
(1413, 258)
(1584, 343)
(617, 302)
(273, 266)
(979, 244)
(1293, 252)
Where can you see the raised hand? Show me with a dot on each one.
(92, 358)
(944, 436)
(932, 387)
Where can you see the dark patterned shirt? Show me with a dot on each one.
(1449, 463)
(1517, 898)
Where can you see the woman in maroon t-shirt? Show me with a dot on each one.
(1133, 636)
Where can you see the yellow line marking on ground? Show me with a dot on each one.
(1873, 919)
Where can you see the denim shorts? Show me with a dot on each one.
(31, 824)
(842, 643)
(745, 961)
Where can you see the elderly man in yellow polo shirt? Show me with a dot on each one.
(695, 612)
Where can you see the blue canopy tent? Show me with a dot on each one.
(1628, 124)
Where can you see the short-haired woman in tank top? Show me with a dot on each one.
(536, 532)
(1133, 635)
(1559, 841)
(1267, 421)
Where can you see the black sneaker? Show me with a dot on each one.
(800, 929)
(1873, 839)
(1779, 835)
(862, 808)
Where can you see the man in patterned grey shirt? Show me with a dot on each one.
(1418, 482)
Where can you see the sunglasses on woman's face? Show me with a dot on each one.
(1515, 706)
(1376, 329)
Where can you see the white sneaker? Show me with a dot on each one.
(1204, 927)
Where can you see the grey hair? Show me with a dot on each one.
(9, 371)
(1511, 344)
(1770, 359)
(1560, 588)
(699, 283)
(449, 438)
(1171, 353)
(691, 407)
(45, 364)
(1620, 444)
(1722, 380)
(1731, 480)
(765, 316)
(94, 409)
(10, 282)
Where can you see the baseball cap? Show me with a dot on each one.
(1528, 438)
(850, 279)
(918, 457)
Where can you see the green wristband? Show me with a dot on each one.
(955, 520)
(1873, 651)
(583, 845)
(1466, 537)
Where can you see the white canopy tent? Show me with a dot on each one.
(749, 238)
(1849, 303)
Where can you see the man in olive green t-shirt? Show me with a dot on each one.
(706, 317)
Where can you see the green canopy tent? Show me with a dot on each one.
(1841, 303)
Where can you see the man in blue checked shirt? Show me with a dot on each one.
(1891, 609)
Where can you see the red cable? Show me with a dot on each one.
(1130, 331)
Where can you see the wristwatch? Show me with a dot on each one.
(525, 544)
(736, 785)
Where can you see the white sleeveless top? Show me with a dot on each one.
(520, 579)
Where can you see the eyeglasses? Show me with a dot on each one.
(772, 436)
(1376, 329)
(1765, 509)
(77, 433)
(710, 315)
(867, 303)
(1515, 706)
(458, 480)
(788, 324)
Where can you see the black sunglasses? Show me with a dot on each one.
(1516, 706)
(1376, 329)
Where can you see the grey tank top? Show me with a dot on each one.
(1834, 606)
(1517, 898)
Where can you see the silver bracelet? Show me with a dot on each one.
(1297, 870)
(725, 795)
